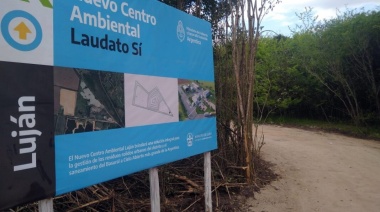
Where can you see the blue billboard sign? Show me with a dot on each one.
(95, 90)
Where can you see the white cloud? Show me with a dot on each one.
(283, 15)
(326, 13)
(278, 17)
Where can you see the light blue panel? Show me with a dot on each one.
(188, 138)
(163, 52)
(176, 45)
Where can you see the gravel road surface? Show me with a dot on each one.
(319, 172)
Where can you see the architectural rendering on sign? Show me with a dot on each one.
(197, 99)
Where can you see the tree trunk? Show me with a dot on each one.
(245, 39)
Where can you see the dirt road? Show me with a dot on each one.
(320, 172)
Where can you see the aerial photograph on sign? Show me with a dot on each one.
(197, 99)
(87, 100)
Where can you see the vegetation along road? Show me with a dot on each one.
(319, 172)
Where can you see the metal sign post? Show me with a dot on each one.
(46, 205)
(154, 190)
(207, 176)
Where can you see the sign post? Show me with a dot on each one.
(154, 190)
(207, 176)
(45, 205)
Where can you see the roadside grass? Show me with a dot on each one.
(346, 128)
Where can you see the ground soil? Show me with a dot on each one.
(319, 172)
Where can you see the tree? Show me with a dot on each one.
(338, 53)
(281, 85)
(362, 37)
(245, 19)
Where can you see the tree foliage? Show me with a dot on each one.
(330, 68)
(344, 50)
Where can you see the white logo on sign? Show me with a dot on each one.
(180, 31)
(189, 139)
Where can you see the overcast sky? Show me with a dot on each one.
(283, 14)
